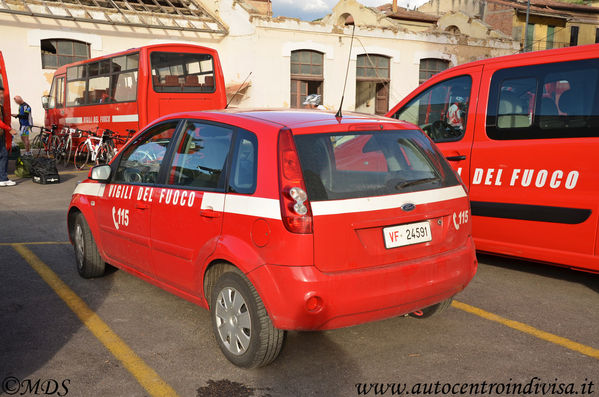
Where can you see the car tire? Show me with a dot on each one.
(432, 310)
(241, 325)
(87, 258)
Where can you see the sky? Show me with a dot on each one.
(310, 10)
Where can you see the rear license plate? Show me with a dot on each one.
(413, 233)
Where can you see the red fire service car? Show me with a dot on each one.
(249, 214)
(523, 132)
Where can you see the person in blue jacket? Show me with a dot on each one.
(25, 121)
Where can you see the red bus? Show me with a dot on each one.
(130, 89)
(5, 102)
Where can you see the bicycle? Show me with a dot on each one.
(95, 148)
(45, 142)
(65, 147)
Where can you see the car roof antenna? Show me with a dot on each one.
(237, 92)
(339, 115)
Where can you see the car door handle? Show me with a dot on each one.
(210, 213)
(142, 206)
(456, 158)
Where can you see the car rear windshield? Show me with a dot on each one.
(353, 165)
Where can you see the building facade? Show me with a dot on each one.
(551, 23)
(393, 50)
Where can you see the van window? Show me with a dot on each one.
(516, 101)
(349, 165)
(559, 100)
(442, 110)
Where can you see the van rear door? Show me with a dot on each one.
(379, 198)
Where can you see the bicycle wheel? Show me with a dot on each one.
(53, 146)
(37, 145)
(107, 151)
(59, 152)
(68, 148)
(81, 155)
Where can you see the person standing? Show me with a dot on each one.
(4, 181)
(25, 121)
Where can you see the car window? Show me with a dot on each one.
(344, 165)
(442, 110)
(140, 162)
(200, 158)
(245, 165)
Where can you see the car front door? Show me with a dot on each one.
(446, 112)
(125, 208)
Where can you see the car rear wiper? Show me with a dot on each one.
(401, 185)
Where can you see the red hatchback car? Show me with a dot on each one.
(280, 220)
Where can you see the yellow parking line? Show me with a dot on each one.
(145, 375)
(537, 333)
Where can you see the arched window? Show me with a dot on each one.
(453, 29)
(345, 20)
(372, 84)
(431, 66)
(59, 52)
(306, 75)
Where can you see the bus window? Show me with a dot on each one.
(130, 89)
(176, 72)
(126, 87)
(76, 85)
(59, 92)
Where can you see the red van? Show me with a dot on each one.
(280, 220)
(523, 133)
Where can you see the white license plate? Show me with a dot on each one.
(413, 233)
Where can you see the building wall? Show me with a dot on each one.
(254, 44)
(586, 34)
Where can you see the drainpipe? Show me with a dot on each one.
(395, 6)
(526, 49)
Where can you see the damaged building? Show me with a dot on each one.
(394, 49)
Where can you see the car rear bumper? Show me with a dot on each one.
(359, 296)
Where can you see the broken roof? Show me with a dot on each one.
(160, 14)
(552, 8)
(406, 15)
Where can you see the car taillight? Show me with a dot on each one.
(295, 207)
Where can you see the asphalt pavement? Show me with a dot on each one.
(519, 328)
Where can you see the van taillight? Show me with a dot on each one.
(295, 207)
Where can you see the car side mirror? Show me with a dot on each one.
(100, 173)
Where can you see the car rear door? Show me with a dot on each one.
(380, 198)
(187, 210)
